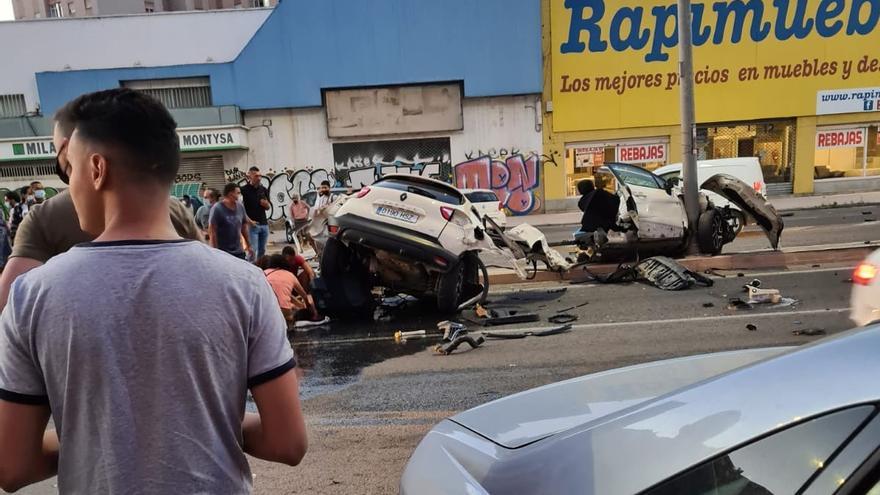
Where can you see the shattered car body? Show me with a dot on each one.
(410, 235)
(652, 218)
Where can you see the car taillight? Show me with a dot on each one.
(864, 274)
(447, 212)
(333, 229)
(363, 192)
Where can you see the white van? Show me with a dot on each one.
(747, 169)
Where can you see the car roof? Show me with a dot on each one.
(636, 447)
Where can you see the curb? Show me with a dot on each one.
(809, 255)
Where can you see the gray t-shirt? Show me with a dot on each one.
(228, 225)
(144, 351)
(203, 215)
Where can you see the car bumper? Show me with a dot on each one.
(396, 240)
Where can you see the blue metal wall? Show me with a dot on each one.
(494, 46)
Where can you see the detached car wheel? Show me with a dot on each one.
(711, 232)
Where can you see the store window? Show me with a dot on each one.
(843, 152)
(772, 142)
(583, 160)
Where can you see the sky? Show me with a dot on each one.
(6, 10)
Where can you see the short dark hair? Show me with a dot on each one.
(13, 196)
(215, 194)
(134, 122)
(325, 183)
(278, 261)
(585, 187)
(228, 188)
(288, 251)
(254, 169)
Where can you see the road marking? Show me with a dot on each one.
(743, 316)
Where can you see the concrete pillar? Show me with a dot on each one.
(804, 156)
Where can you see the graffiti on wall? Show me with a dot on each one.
(355, 165)
(513, 175)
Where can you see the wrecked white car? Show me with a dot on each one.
(406, 234)
(651, 218)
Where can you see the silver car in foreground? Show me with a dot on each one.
(752, 422)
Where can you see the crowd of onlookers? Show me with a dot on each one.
(235, 221)
(16, 204)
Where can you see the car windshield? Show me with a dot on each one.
(635, 176)
(429, 190)
(481, 197)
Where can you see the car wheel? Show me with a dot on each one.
(347, 281)
(710, 232)
(288, 233)
(449, 288)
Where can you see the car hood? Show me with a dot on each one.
(530, 416)
(748, 200)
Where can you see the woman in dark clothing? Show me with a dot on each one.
(600, 207)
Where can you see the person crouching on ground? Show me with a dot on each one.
(294, 301)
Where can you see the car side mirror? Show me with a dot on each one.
(671, 183)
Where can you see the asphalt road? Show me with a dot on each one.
(802, 228)
(370, 400)
(364, 430)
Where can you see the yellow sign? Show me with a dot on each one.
(615, 62)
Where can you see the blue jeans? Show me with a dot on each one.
(259, 236)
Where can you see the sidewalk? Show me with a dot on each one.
(782, 203)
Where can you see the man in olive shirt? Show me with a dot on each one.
(52, 227)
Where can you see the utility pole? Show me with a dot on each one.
(688, 127)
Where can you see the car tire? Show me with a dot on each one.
(710, 232)
(449, 288)
(347, 280)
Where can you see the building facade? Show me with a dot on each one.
(345, 91)
(45, 9)
(794, 83)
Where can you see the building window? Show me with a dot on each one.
(12, 106)
(176, 93)
(55, 10)
(582, 160)
(772, 142)
(149, 6)
(848, 151)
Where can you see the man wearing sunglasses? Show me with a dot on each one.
(53, 228)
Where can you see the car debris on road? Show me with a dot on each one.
(454, 335)
(521, 335)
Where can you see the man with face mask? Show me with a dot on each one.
(318, 229)
(53, 228)
(210, 196)
(39, 192)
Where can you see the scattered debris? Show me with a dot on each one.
(868, 242)
(798, 323)
(401, 337)
(761, 296)
(756, 282)
(310, 324)
(867, 213)
(455, 334)
(506, 316)
(740, 274)
(560, 290)
(522, 335)
(667, 274)
(810, 332)
(566, 310)
(869, 219)
(751, 327)
(708, 305)
(737, 303)
(786, 215)
(562, 318)
(714, 273)
(817, 266)
(481, 312)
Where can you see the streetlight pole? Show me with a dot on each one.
(688, 127)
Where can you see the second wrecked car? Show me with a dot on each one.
(651, 217)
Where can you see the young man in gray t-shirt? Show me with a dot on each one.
(145, 377)
(228, 224)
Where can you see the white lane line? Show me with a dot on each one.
(745, 315)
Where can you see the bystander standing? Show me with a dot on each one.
(228, 224)
(255, 197)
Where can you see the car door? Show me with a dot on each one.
(660, 214)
